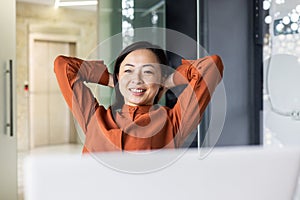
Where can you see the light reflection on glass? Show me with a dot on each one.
(127, 22)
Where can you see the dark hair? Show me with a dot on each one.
(157, 50)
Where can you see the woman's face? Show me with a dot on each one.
(139, 77)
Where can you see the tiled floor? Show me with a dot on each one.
(57, 149)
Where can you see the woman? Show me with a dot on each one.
(135, 121)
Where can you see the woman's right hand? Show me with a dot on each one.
(111, 81)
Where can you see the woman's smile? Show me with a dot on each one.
(140, 77)
(137, 91)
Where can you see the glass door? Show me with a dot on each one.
(8, 144)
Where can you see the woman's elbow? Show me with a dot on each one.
(58, 62)
(218, 62)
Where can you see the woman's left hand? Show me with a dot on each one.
(169, 83)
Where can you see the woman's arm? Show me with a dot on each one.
(202, 77)
(71, 73)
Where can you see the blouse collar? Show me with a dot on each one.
(138, 109)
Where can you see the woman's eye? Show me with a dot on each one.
(127, 71)
(148, 72)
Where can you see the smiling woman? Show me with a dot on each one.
(140, 82)
(142, 68)
(136, 121)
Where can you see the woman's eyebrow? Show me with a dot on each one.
(130, 65)
(148, 65)
(145, 65)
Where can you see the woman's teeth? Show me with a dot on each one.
(137, 90)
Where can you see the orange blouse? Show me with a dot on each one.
(136, 127)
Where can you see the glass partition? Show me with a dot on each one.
(120, 23)
(281, 73)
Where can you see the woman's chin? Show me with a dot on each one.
(137, 103)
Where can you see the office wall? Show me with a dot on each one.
(227, 28)
(231, 35)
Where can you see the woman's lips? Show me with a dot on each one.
(137, 91)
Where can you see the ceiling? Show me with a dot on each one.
(52, 3)
(45, 2)
(141, 4)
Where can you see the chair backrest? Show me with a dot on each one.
(225, 173)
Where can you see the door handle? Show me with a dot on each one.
(9, 99)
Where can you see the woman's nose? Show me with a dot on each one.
(137, 78)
